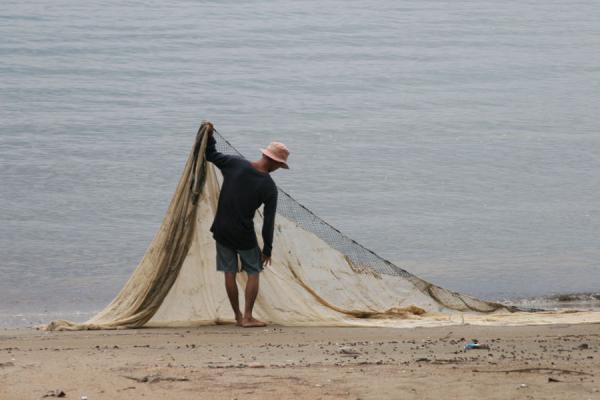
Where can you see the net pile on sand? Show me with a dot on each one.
(318, 275)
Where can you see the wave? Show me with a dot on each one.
(28, 320)
(586, 301)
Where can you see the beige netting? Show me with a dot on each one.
(318, 275)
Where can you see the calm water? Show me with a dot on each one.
(459, 139)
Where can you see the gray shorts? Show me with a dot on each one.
(227, 259)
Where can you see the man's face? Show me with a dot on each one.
(274, 165)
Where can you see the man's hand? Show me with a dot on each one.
(209, 126)
(265, 260)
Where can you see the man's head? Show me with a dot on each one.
(275, 156)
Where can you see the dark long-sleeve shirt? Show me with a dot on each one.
(243, 191)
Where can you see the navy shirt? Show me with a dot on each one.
(243, 191)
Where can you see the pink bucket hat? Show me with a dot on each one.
(278, 152)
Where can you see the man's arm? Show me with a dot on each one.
(214, 156)
(269, 224)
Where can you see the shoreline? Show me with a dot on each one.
(576, 301)
(224, 362)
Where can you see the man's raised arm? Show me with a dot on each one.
(212, 155)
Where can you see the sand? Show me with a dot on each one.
(228, 362)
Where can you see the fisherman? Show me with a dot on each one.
(246, 185)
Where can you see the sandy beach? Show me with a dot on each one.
(228, 362)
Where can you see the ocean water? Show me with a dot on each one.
(459, 139)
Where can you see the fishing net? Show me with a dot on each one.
(359, 257)
(318, 276)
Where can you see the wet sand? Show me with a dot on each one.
(228, 362)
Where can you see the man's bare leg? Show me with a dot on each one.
(251, 292)
(232, 293)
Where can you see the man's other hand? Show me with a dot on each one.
(265, 260)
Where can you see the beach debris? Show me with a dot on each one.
(583, 346)
(126, 388)
(447, 335)
(551, 380)
(443, 361)
(475, 345)
(156, 378)
(7, 364)
(55, 393)
(348, 352)
(536, 370)
(522, 386)
(83, 397)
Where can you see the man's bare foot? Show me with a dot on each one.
(252, 323)
(238, 320)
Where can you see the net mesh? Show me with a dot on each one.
(358, 255)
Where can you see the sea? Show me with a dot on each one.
(459, 139)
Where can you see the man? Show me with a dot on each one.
(246, 185)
